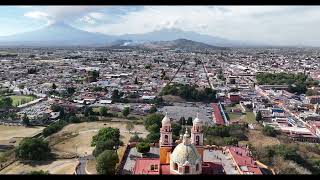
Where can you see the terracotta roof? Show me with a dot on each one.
(217, 114)
(244, 161)
(143, 166)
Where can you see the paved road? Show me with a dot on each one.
(83, 162)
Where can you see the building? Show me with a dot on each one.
(186, 155)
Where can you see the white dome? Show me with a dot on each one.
(197, 120)
(185, 154)
(166, 120)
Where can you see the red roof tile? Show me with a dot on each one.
(217, 114)
(143, 166)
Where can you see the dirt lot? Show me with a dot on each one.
(81, 143)
(8, 133)
(257, 139)
(55, 167)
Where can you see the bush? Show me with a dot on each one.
(143, 147)
(103, 111)
(153, 137)
(53, 128)
(269, 131)
(126, 111)
(135, 138)
(41, 172)
(106, 162)
(33, 149)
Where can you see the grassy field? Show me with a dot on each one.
(8, 133)
(82, 142)
(250, 117)
(258, 140)
(18, 100)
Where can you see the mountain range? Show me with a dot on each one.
(61, 34)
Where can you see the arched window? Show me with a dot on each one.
(166, 138)
(197, 140)
(197, 167)
(175, 166)
(186, 169)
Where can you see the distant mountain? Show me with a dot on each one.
(57, 34)
(184, 44)
(61, 34)
(173, 34)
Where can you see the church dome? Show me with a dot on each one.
(185, 154)
(166, 120)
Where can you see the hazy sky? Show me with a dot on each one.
(279, 25)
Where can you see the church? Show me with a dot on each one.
(185, 156)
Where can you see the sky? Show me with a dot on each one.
(278, 25)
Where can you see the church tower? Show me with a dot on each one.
(165, 142)
(197, 135)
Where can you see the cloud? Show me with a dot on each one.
(38, 15)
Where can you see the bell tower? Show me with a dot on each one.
(197, 135)
(165, 142)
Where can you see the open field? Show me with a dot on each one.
(257, 139)
(18, 100)
(55, 167)
(8, 133)
(81, 144)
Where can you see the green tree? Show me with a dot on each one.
(106, 162)
(259, 116)
(5, 102)
(126, 111)
(153, 119)
(105, 134)
(88, 111)
(101, 146)
(71, 90)
(103, 111)
(153, 137)
(25, 120)
(183, 120)
(54, 86)
(135, 138)
(136, 81)
(33, 149)
(143, 147)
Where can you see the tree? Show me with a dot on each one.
(33, 149)
(101, 146)
(189, 121)
(259, 116)
(153, 119)
(105, 134)
(143, 147)
(54, 86)
(71, 90)
(176, 129)
(5, 102)
(106, 162)
(129, 126)
(135, 138)
(269, 131)
(88, 111)
(182, 120)
(126, 111)
(25, 120)
(103, 111)
(153, 137)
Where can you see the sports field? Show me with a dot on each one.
(18, 100)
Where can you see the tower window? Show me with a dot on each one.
(197, 167)
(197, 140)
